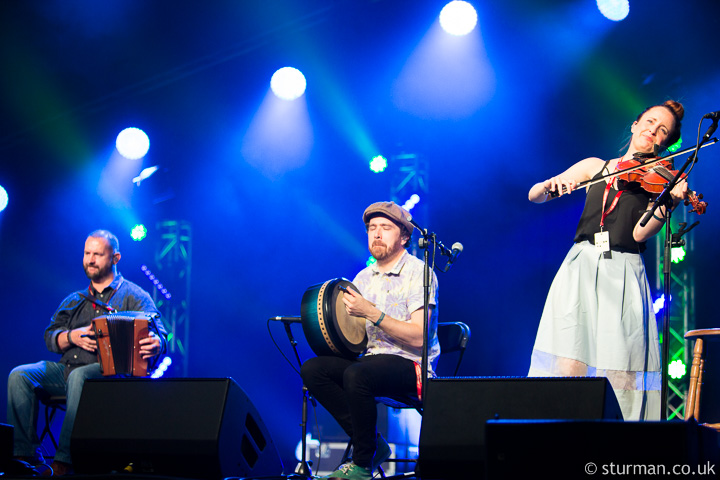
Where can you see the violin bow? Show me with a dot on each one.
(586, 183)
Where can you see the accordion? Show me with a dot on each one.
(118, 336)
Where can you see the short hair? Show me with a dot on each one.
(109, 237)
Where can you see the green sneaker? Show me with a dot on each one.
(350, 471)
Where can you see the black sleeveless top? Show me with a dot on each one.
(620, 222)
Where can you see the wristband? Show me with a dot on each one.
(382, 316)
(70, 342)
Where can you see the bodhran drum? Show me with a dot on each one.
(328, 328)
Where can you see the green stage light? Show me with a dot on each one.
(677, 369)
(677, 254)
(378, 164)
(138, 232)
(370, 261)
(675, 146)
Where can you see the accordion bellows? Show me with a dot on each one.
(118, 348)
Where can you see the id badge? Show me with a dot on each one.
(602, 241)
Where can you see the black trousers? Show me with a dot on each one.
(347, 389)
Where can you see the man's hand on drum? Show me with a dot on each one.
(150, 346)
(356, 305)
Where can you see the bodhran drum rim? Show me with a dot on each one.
(320, 323)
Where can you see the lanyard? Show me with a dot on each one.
(99, 303)
(605, 213)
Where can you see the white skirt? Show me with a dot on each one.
(598, 321)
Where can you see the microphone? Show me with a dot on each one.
(715, 116)
(287, 319)
(457, 248)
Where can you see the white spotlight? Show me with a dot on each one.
(288, 83)
(614, 10)
(458, 18)
(132, 143)
(145, 174)
(3, 198)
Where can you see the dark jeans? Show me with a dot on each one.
(347, 389)
(22, 407)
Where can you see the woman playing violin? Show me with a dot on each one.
(598, 318)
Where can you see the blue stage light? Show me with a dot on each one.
(458, 18)
(159, 286)
(3, 198)
(162, 368)
(614, 10)
(132, 143)
(288, 83)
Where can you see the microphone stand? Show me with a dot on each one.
(665, 199)
(302, 470)
(424, 243)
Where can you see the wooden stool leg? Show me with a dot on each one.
(692, 405)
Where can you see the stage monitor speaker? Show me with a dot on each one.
(452, 436)
(572, 449)
(197, 428)
(6, 443)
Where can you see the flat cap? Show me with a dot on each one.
(391, 210)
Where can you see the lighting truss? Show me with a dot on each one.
(173, 259)
(682, 316)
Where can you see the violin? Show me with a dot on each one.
(654, 177)
(651, 180)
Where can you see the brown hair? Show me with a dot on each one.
(678, 112)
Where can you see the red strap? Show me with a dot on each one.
(605, 213)
(98, 304)
(418, 376)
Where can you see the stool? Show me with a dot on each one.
(692, 405)
(52, 404)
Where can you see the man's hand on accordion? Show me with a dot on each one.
(150, 346)
(81, 337)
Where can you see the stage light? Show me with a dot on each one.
(370, 261)
(458, 18)
(138, 232)
(145, 174)
(411, 202)
(675, 146)
(132, 143)
(677, 369)
(659, 303)
(310, 443)
(3, 198)
(614, 10)
(288, 83)
(378, 164)
(677, 254)
(162, 368)
(159, 286)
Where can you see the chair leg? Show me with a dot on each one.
(698, 390)
(47, 430)
(692, 405)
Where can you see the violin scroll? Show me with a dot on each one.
(699, 206)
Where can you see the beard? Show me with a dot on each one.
(381, 251)
(97, 273)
